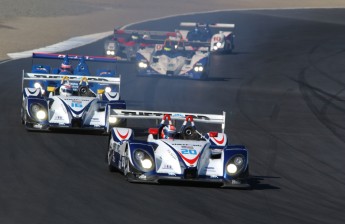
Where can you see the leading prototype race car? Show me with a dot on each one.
(221, 41)
(70, 101)
(174, 58)
(171, 155)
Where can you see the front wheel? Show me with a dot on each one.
(110, 156)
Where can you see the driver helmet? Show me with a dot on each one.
(196, 29)
(168, 132)
(146, 36)
(66, 90)
(66, 67)
(135, 36)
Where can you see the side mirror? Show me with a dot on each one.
(153, 131)
(213, 134)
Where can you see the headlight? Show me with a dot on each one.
(218, 44)
(139, 155)
(198, 68)
(38, 111)
(110, 53)
(107, 89)
(41, 115)
(142, 64)
(238, 161)
(112, 120)
(143, 160)
(231, 168)
(147, 164)
(215, 48)
(235, 165)
(37, 85)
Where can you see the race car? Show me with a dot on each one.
(183, 155)
(221, 41)
(70, 101)
(124, 44)
(175, 58)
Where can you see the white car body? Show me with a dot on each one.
(189, 156)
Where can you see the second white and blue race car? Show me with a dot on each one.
(174, 155)
(70, 101)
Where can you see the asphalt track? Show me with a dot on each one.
(284, 92)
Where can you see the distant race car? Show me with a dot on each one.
(70, 99)
(171, 155)
(175, 57)
(221, 41)
(124, 44)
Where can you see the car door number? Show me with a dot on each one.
(189, 152)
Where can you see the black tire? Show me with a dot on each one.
(110, 154)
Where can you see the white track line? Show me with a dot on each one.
(79, 41)
(69, 44)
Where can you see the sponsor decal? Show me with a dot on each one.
(58, 118)
(235, 182)
(177, 115)
(186, 145)
(142, 177)
(38, 126)
(128, 112)
(172, 154)
(167, 167)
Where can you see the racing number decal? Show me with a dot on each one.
(217, 39)
(189, 151)
(77, 104)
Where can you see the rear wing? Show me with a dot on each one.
(141, 32)
(212, 25)
(74, 57)
(71, 78)
(146, 35)
(159, 115)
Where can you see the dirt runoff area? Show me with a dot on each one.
(31, 24)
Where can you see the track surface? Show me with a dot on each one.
(283, 91)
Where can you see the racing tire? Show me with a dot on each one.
(22, 116)
(110, 155)
(127, 168)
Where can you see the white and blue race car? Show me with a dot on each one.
(173, 58)
(69, 101)
(187, 156)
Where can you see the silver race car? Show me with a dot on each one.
(168, 154)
